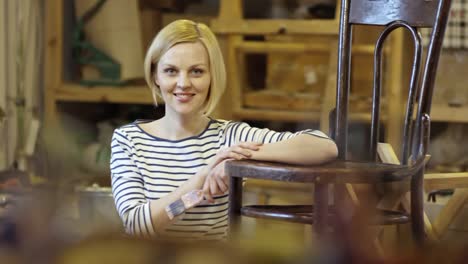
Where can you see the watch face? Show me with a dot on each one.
(192, 198)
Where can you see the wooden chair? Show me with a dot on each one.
(393, 14)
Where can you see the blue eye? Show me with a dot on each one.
(198, 71)
(169, 71)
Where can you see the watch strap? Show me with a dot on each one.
(187, 201)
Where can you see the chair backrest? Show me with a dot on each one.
(410, 15)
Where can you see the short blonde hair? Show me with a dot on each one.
(181, 31)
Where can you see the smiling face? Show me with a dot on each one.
(184, 78)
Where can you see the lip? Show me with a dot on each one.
(183, 97)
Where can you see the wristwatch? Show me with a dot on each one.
(185, 202)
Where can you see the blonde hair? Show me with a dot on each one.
(181, 31)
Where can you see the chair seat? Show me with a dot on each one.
(304, 214)
(337, 171)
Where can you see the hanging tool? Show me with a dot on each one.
(86, 54)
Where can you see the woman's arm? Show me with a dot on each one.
(159, 216)
(302, 149)
(147, 217)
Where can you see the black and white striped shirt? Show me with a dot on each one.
(145, 167)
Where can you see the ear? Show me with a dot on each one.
(156, 80)
(154, 72)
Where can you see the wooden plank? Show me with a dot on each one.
(450, 211)
(223, 108)
(230, 9)
(126, 94)
(272, 99)
(53, 57)
(434, 181)
(329, 97)
(4, 66)
(386, 153)
(277, 100)
(265, 47)
(274, 26)
(446, 113)
(396, 80)
(283, 115)
(235, 76)
(275, 115)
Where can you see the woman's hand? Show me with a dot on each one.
(242, 150)
(216, 180)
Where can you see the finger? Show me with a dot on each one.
(242, 151)
(225, 179)
(206, 192)
(213, 187)
(221, 174)
(236, 156)
(251, 145)
(218, 158)
(221, 185)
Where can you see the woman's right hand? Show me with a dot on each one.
(216, 181)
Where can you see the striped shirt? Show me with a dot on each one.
(145, 167)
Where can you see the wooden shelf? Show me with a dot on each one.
(445, 113)
(70, 92)
(272, 47)
(274, 26)
(434, 181)
(279, 100)
(295, 116)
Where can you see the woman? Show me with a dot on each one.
(157, 164)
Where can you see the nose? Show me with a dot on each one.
(183, 81)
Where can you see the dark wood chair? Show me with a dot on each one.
(392, 14)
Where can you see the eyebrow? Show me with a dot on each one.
(194, 65)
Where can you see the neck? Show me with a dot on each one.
(179, 127)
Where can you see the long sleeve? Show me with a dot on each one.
(241, 132)
(128, 188)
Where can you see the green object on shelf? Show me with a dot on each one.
(85, 53)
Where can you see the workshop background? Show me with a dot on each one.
(59, 107)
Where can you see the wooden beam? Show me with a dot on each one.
(434, 181)
(265, 47)
(125, 94)
(446, 113)
(230, 9)
(450, 211)
(277, 100)
(329, 97)
(274, 26)
(53, 56)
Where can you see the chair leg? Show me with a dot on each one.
(321, 208)
(235, 204)
(417, 207)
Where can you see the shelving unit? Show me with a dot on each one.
(240, 102)
(231, 28)
(58, 90)
(266, 104)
